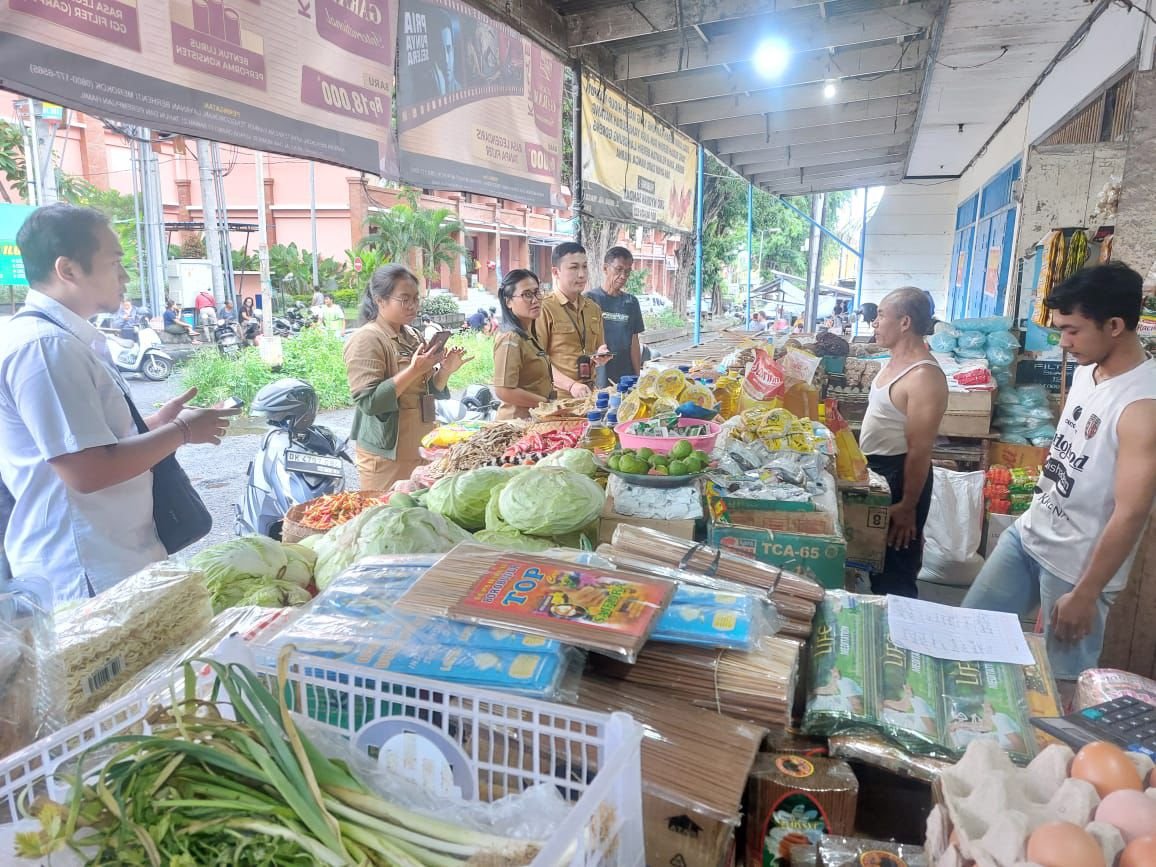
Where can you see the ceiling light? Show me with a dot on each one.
(829, 90)
(771, 58)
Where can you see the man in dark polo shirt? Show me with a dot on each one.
(621, 315)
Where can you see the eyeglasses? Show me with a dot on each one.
(405, 300)
(532, 295)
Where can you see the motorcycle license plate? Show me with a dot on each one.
(314, 465)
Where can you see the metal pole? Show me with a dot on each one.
(210, 215)
(223, 224)
(154, 221)
(263, 249)
(142, 282)
(32, 162)
(750, 247)
(698, 252)
(313, 219)
(862, 257)
(820, 226)
(46, 165)
(814, 263)
(576, 164)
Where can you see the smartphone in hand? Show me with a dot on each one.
(437, 343)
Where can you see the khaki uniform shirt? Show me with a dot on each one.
(568, 329)
(521, 363)
(384, 422)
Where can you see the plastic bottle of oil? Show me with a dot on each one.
(598, 438)
(726, 395)
(802, 401)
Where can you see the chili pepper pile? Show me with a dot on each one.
(327, 512)
(535, 446)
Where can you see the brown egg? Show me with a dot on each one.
(1139, 853)
(1107, 767)
(1133, 813)
(1062, 844)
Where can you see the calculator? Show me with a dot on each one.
(1126, 722)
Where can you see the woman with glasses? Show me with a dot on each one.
(522, 377)
(394, 379)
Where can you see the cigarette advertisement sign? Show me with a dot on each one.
(12, 217)
(635, 168)
(311, 78)
(479, 106)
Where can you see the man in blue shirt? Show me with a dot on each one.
(621, 315)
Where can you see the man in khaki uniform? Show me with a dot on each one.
(571, 324)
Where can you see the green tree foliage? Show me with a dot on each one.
(396, 232)
(15, 169)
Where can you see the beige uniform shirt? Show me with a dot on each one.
(521, 363)
(568, 329)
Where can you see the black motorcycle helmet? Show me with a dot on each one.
(287, 403)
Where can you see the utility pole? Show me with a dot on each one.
(210, 215)
(313, 220)
(155, 251)
(814, 262)
(223, 224)
(40, 164)
(263, 249)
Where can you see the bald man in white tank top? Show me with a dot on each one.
(1071, 552)
(907, 402)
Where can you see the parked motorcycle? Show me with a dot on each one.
(226, 339)
(297, 461)
(478, 403)
(139, 350)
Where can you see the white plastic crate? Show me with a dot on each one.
(495, 744)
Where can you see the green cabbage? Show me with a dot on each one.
(463, 497)
(509, 539)
(238, 568)
(385, 531)
(578, 460)
(550, 501)
(494, 512)
(279, 594)
(301, 561)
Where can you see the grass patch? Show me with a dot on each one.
(479, 371)
(314, 356)
(662, 321)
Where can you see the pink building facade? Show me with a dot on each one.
(500, 234)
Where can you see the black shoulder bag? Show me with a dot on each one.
(179, 513)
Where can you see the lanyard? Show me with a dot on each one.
(533, 335)
(580, 328)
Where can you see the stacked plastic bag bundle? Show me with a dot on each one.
(987, 338)
(1024, 416)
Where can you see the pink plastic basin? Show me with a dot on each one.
(663, 445)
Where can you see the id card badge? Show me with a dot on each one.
(585, 368)
(428, 409)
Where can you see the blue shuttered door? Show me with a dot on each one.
(985, 228)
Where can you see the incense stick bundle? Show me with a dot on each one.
(794, 595)
(690, 757)
(607, 611)
(756, 686)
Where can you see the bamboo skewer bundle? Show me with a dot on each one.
(690, 757)
(604, 610)
(794, 596)
(757, 686)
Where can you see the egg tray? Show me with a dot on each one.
(986, 808)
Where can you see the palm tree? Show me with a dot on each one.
(371, 260)
(435, 235)
(391, 232)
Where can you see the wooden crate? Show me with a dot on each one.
(1130, 640)
(968, 414)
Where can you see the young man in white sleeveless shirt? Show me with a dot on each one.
(906, 405)
(1071, 552)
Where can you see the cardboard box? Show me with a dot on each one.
(610, 519)
(674, 835)
(968, 414)
(820, 557)
(1013, 456)
(997, 525)
(866, 517)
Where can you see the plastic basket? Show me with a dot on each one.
(494, 744)
(663, 445)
